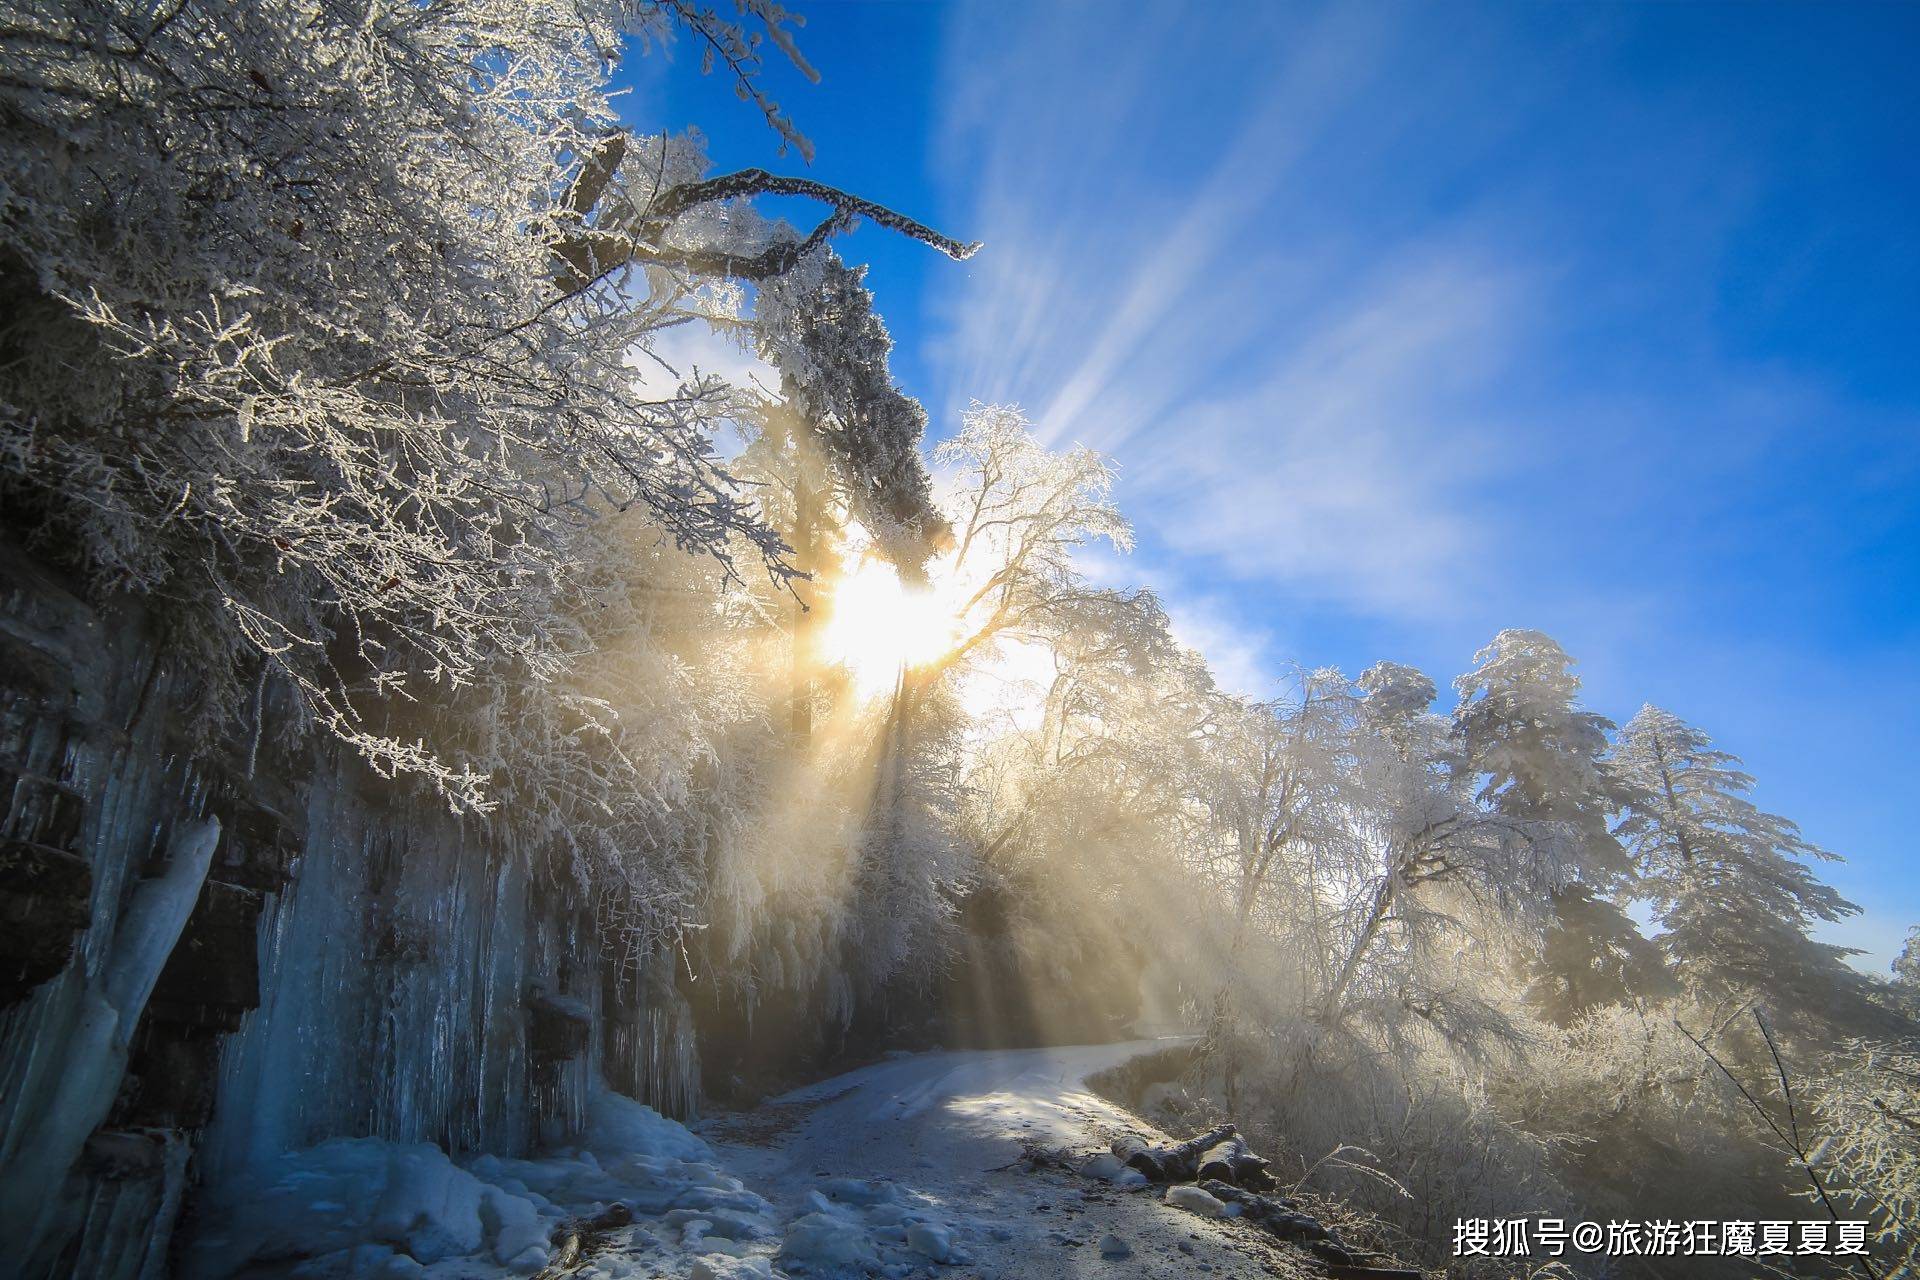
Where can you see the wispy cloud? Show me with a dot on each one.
(1343, 471)
(1275, 393)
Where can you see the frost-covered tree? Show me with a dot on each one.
(1730, 883)
(1519, 726)
(1279, 794)
(1398, 703)
(1906, 965)
(1345, 834)
(818, 324)
(1658, 1129)
(1120, 717)
(1441, 867)
(870, 796)
(836, 452)
(1018, 515)
(1866, 1114)
(1088, 725)
(322, 323)
(1903, 992)
(1594, 954)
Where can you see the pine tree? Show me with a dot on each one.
(1594, 954)
(1519, 725)
(1730, 883)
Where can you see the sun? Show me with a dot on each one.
(877, 626)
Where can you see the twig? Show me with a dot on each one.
(1791, 1141)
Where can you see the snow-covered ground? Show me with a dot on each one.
(944, 1132)
(907, 1168)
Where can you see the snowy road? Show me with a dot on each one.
(909, 1169)
(937, 1138)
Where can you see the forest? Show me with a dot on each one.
(391, 623)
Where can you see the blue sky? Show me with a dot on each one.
(1408, 323)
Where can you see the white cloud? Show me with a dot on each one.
(695, 346)
(1243, 656)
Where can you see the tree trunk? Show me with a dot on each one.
(806, 558)
(1219, 1039)
(1177, 1163)
(1382, 905)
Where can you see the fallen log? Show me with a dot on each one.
(578, 1239)
(1125, 1148)
(1283, 1218)
(1177, 1163)
(1280, 1216)
(1232, 1161)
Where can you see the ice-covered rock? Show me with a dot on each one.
(724, 1223)
(818, 1202)
(1194, 1200)
(932, 1239)
(715, 1266)
(1105, 1166)
(408, 1198)
(857, 1191)
(428, 1205)
(495, 1215)
(528, 1260)
(515, 1226)
(820, 1239)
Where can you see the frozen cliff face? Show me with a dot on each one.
(651, 1050)
(394, 974)
(100, 869)
(351, 965)
(422, 981)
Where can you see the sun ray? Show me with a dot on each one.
(877, 626)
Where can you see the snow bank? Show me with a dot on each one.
(365, 1208)
(362, 1207)
(618, 1126)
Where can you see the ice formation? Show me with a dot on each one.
(366, 1207)
(303, 963)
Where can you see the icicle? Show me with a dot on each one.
(95, 1054)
